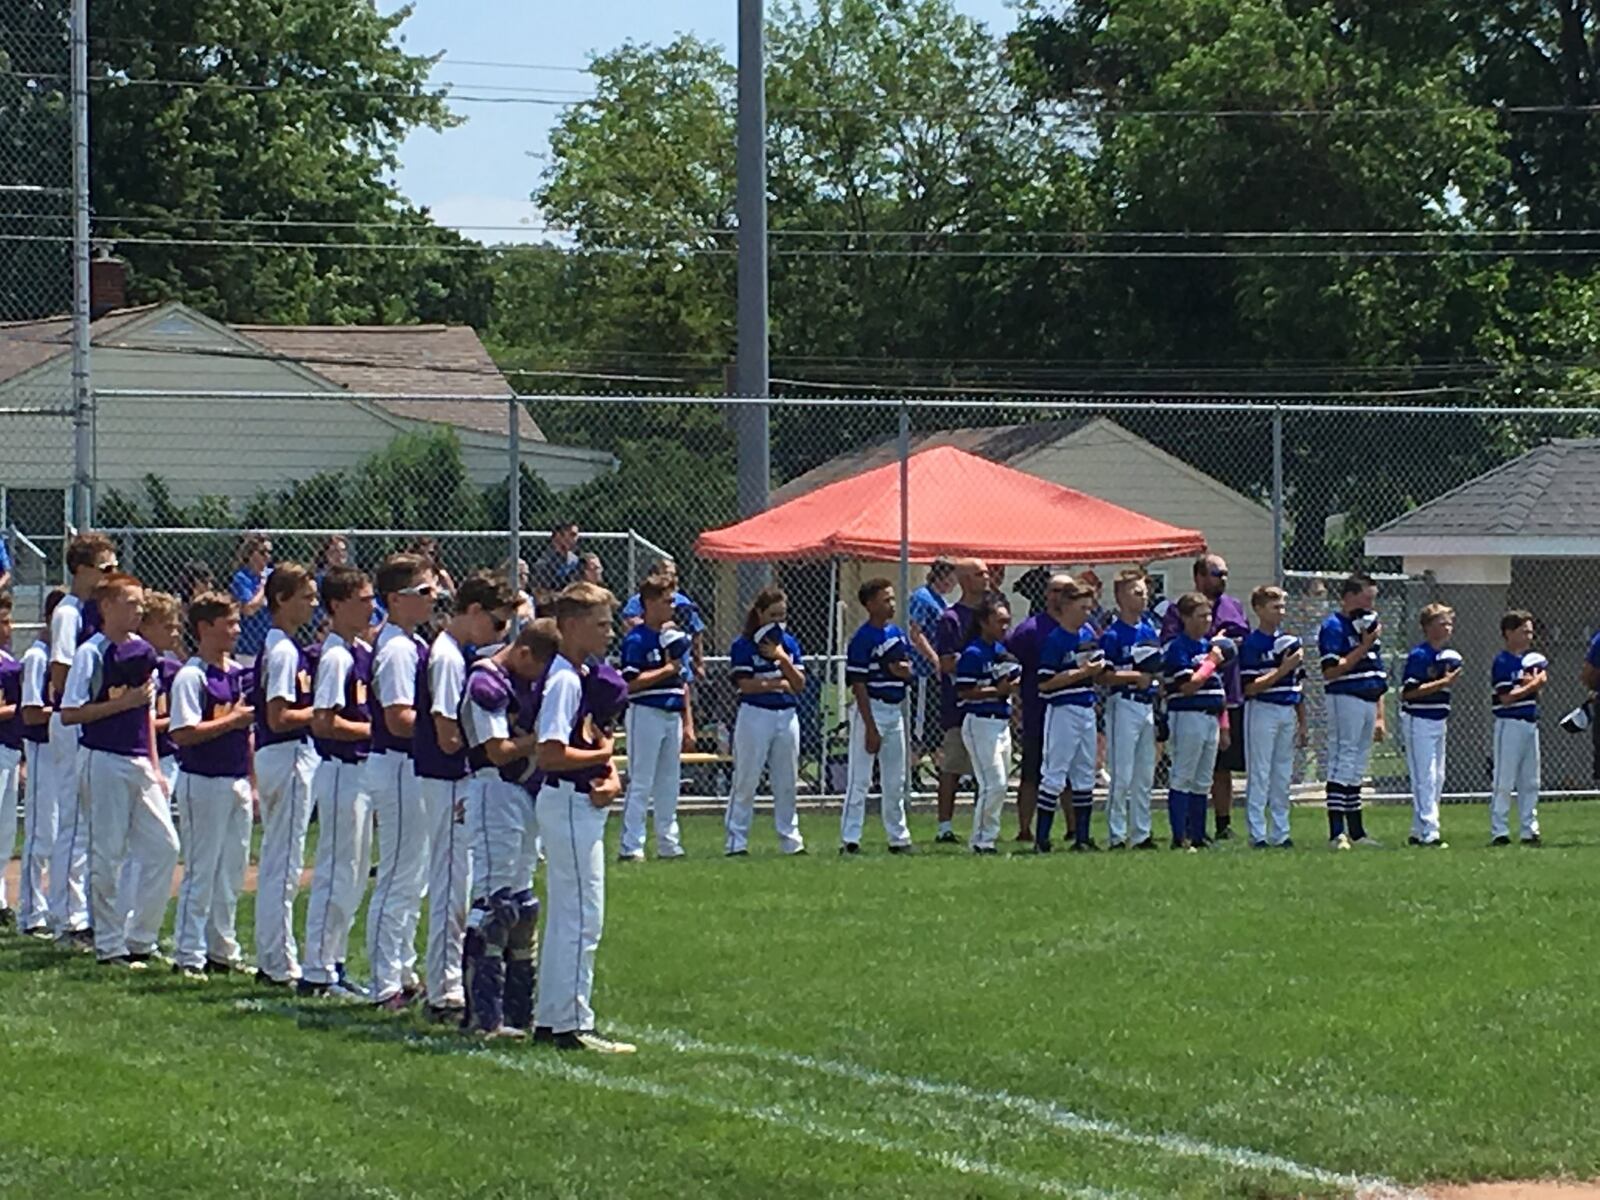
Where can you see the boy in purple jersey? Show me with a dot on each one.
(571, 812)
(502, 926)
(39, 811)
(284, 764)
(162, 627)
(10, 754)
(90, 556)
(950, 640)
(210, 726)
(484, 607)
(108, 694)
(406, 587)
(341, 730)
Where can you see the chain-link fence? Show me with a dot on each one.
(1483, 509)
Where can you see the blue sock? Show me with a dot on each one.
(1335, 810)
(1082, 812)
(1044, 817)
(1353, 815)
(1177, 813)
(1197, 817)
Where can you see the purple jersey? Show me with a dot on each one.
(605, 696)
(343, 672)
(950, 638)
(11, 694)
(109, 669)
(1026, 643)
(167, 668)
(284, 670)
(1227, 620)
(491, 704)
(563, 710)
(427, 759)
(395, 658)
(203, 692)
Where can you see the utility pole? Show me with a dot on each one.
(751, 368)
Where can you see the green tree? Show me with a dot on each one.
(35, 160)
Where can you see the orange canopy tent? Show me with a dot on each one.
(959, 504)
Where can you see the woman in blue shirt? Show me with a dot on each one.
(249, 588)
(1195, 703)
(769, 674)
(986, 677)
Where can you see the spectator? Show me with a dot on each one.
(428, 548)
(923, 611)
(558, 565)
(5, 563)
(249, 588)
(194, 579)
(685, 616)
(590, 570)
(335, 552)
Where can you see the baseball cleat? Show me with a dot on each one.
(40, 932)
(984, 850)
(8, 917)
(636, 857)
(850, 848)
(191, 974)
(445, 1014)
(1535, 840)
(122, 962)
(588, 1039)
(1258, 845)
(947, 838)
(737, 854)
(266, 980)
(396, 1003)
(1147, 844)
(908, 848)
(1501, 840)
(216, 966)
(1341, 842)
(1367, 842)
(506, 1033)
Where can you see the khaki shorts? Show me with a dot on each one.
(953, 756)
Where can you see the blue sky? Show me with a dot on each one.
(481, 173)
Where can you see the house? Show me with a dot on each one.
(412, 377)
(1524, 535)
(1094, 455)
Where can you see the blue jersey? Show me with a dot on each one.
(867, 660)
(1263, 653)
(645, 649)
(924, 610)
(1424, 665)
(1119, 641)
(1593, 657)
(748, 664)
(1178, 662)
(685, 615)
(1509, 670)
(1062, 651)
(1368, 679)
(983, 664)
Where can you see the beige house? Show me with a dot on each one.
(1093, 455)
(416, 377)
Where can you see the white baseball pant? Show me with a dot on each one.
(764, 738)
(284, 772)
(131, 822)
(449, 885)
(1131, 761)
(1351, 721)
(1269, 733)
(575, 906)
(1425, 744)
(10, 770)
(339, 875)
(396, 796)
(1516, 769)
(988, 743)
(215, 817)
(1069, 750)
(891, 760)
(502, 833)
(655, 773)
(69, 855)
(38, 838)
(1195, 736)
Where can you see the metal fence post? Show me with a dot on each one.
(903, 449)
(1277, 495)
(514, 489)
(633, 560)
(82, 398)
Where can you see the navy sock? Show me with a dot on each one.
(1044, 817)
(1335, 810)
(1178, 814)
(1357, 822)
(1197, 817)
(1082, 811)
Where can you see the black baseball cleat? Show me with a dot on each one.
(1286, 844)
(305, 987)
(1023, 836)
(1043, 847)
(445, 1014)
(1147, 844)
(1082, 847)
(216, 966)
(1413, 840)
(947, 838)
(984, 850)
(8, 917)
(1224, 834)
(906, 849)
(1117, 846)
(266, 980)
(543, 1033)
(850, 848)
(1535, 840)
(124, 962)
(588, 1039)
(737, 854)
(1502, 840)
(1258, 845)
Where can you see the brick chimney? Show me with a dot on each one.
(108, 285)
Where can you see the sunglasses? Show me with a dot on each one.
(421, 589)
(106, 566)
(1216, 574)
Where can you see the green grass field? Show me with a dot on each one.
(1235, 1023)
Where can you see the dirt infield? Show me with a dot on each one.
(1538, 1189)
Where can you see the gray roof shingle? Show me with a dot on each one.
(1552, 490)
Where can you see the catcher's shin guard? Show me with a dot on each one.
(521, 955)
(489, 927)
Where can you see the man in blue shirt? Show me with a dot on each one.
(951, 640)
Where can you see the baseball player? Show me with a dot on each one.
(10, 754)
(986, 676)
(502, 926)
(405, 582)
(1071, 663)
(108, 693)
(877, 668)
(1352, 666)
(210, 726)
(1432, 669)
(285, 764)
(1272, 671)
(1133, 666)
(1520, 674)
(1590, 676)
(341, 730)
(571, 812)
(769, 672)
(90, 557)
(484, 607)
(660, 718)
(1195, 706)
(39, 810)
(162, 627)
(1025, 642)
(951, 637)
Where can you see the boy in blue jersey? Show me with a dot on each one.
(1432, 669)
(1520, 674)
(877, 668)
(1132, 648)
(1352, 666)
(985, 677)
(1070, 663)
(1272, 670)
(1196, 702)
(659, 719)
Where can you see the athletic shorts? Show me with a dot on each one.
(954, 759)
(1032, 754)
(1232, 759)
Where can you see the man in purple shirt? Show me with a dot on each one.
(1025, 642)
(1228, 620)
(950, 638)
